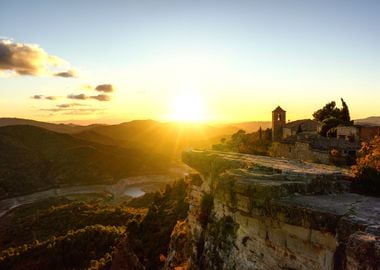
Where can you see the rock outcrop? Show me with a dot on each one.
(254, 212)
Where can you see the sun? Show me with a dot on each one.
(187, 107)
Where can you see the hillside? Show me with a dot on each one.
(251, 126)
(168, 138)
(163, 138)
(372, 120)
(34, 158)
(76, 233)
(61, 128)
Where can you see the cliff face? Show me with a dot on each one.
(252, 212)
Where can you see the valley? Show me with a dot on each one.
(124, 190)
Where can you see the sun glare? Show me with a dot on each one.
(187, 107)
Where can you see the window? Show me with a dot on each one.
(279, 117)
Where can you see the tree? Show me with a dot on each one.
(328, 111)
(345, 113)
(328, 124)
(330, 117)
(367, 170)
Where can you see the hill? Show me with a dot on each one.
(372, 120)
(163, 138)
(250, 126)
(168, 139)
(61, 128)
(33, 158)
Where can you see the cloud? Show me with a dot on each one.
(107, 88)
(70, 105)
(67, 74)
(27, 59)
(37, 97)
(72, 110)
(51, 97)
(80, 96)
(101, 97)
(44, 97)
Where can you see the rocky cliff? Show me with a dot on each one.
(254, 212)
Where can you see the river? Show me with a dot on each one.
(130, 186)
(9, 204)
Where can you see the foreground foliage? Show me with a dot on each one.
(150, 240)
(55, 217)
(74, 250)
(59, 233)
(367, 170)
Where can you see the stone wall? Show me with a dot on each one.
(272, 213)
(300, 151)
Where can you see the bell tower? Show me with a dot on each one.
(278, 123)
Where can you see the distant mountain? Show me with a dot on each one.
(34, 158)
(61, 128)
(372, 120)
(251, 126)
(164, 138)
(153, 136)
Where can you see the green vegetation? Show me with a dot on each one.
(54, 217)
(330, 117)
(61, 233)
(33, 159)
(256, 143)
(151, 237)
(367, 170)
(74, 250)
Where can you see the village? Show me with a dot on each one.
(330, 138)
(302, 140)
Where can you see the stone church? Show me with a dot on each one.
(300, 140)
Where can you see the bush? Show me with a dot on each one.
(367, 170)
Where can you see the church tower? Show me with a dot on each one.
(278, 123)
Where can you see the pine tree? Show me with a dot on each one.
(345, 114)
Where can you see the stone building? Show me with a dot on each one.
(317, 149)
(368, 132)
(281, 129)
(348, 133)
(278, 123)
(359, 132)
(295, 127)
(300, 140)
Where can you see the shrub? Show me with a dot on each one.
(367, 170)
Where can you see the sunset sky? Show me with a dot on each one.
(224, 61)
